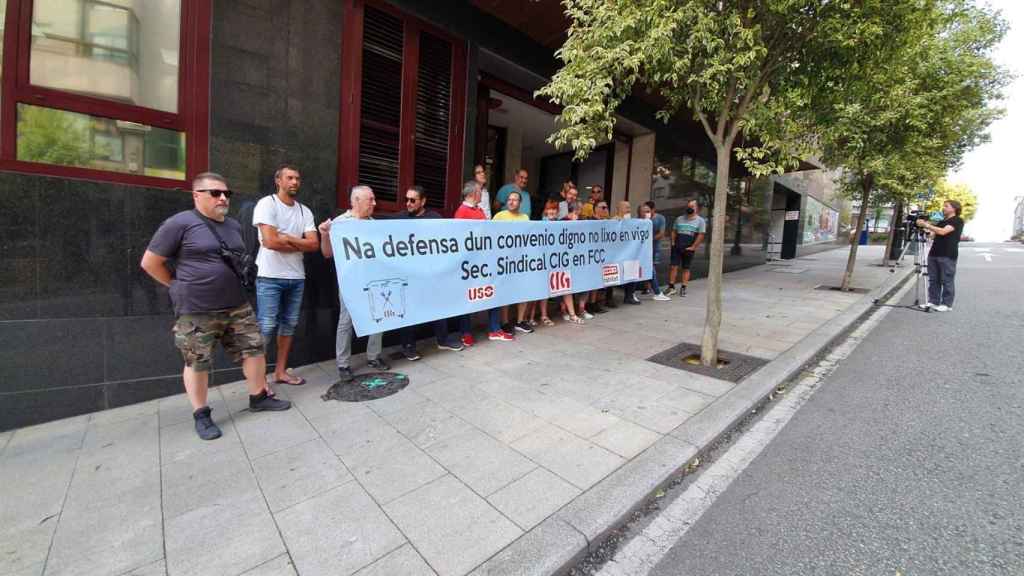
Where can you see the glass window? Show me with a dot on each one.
(121, 50)
(71, 139)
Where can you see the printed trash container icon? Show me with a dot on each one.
(387, 298)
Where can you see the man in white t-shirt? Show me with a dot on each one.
(286, 230)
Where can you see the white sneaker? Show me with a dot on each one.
(942, 308)
(587, 316)
(926, 306)
(661, 298)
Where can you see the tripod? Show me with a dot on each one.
(917, 240)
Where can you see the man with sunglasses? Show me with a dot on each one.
(416, 208)
(208, 299)
(286, 230)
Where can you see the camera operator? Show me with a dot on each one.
(942, 256)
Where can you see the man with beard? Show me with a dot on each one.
(286, 230)
(416, 208)
(209, 303)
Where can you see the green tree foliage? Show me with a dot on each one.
(732, 65)
(53, 137)
(960, 192)
(900, 108)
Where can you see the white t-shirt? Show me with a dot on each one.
(294, 220)
(485, 202)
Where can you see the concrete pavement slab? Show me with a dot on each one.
(212, 480)
(142, 409)
(396, 402)
(402, 562)
(547, 549)
(296, 474)
(399, 469)
(499, 419)
(221, 539)
(534, 497)
(265, 432)
(24, 546)
(625, 438)
(454, 529)
(574, 459)
(605, 505)
(337, 532)
(381, 459)
(280, 566)
(481, 462)
(110, 537)
(158, 568)
(426, 423)
(49, 440)
(34, 570)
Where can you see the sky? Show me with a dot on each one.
(990, 169)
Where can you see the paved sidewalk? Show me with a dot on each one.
(482, 446)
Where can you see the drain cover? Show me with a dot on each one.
(365, 387)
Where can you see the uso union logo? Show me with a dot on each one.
(559, 282)
(479, 293)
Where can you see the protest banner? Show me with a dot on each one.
(395, 273)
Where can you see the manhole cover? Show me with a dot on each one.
(365, 387)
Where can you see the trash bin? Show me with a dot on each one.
(863, 238)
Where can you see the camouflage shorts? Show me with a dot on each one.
(237, 330)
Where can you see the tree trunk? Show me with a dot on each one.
(713, 319)
(866, 183)
(893, 220)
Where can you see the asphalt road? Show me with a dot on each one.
(908, 460)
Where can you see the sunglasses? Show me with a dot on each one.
(410, 200)
(216, 193)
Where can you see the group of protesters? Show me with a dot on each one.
(198, 255)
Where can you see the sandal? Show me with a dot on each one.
(546, 321)
(577, 320)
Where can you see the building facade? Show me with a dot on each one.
(109, 107)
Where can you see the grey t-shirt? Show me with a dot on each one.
(203, 282)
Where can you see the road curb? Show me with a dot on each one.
(563, 539)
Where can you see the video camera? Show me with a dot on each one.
(913, 215)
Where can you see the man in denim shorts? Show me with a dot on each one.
(208, 299)
(286, 230)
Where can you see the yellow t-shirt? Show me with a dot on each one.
(508, 216)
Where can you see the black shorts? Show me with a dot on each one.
(682, 257)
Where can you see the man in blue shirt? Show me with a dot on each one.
(518, 185)
(687, 235)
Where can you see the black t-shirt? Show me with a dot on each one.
(427, 214)
(203, 282)
(947, 246)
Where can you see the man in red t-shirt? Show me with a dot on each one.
(470, 210)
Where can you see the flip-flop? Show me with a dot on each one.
(299, 383)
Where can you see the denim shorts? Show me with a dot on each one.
(278, 304)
